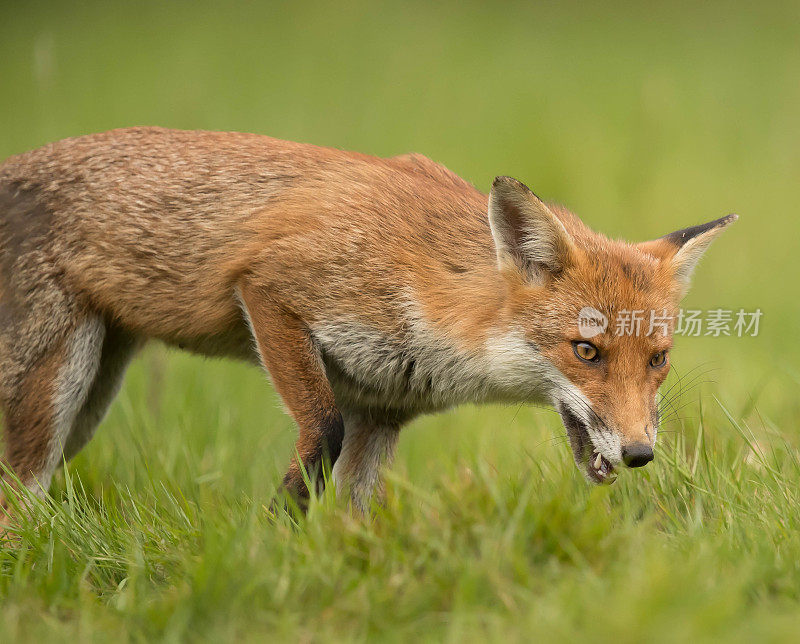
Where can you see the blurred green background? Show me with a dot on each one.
(641, 117)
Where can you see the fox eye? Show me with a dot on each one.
(586, 351)
(659, 359)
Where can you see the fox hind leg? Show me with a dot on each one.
(47, 372)
(368, 445)
(118, 348)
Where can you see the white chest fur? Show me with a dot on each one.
(421, 369)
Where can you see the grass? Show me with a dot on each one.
(643, 119)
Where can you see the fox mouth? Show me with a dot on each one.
(594, 465)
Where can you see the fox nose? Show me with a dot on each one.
(637, 454)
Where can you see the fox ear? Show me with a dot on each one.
(684, 248)
(528, 237)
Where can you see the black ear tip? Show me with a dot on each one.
(727, 220)
(510, 183)
(504, 180)
(719, 223)
(680, 237)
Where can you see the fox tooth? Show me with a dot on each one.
(598, 461)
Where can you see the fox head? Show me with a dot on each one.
(601, 316)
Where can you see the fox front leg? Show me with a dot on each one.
(288, 354)
(369, 445)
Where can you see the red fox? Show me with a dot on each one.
(371, 290)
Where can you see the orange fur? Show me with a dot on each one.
(374, 289)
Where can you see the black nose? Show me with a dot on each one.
(637, 455)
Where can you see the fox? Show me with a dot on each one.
(370, 290)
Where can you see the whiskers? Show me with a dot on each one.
(670, 403)
(580, 403)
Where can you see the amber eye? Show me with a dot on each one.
(659, 359)
(586, 351)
